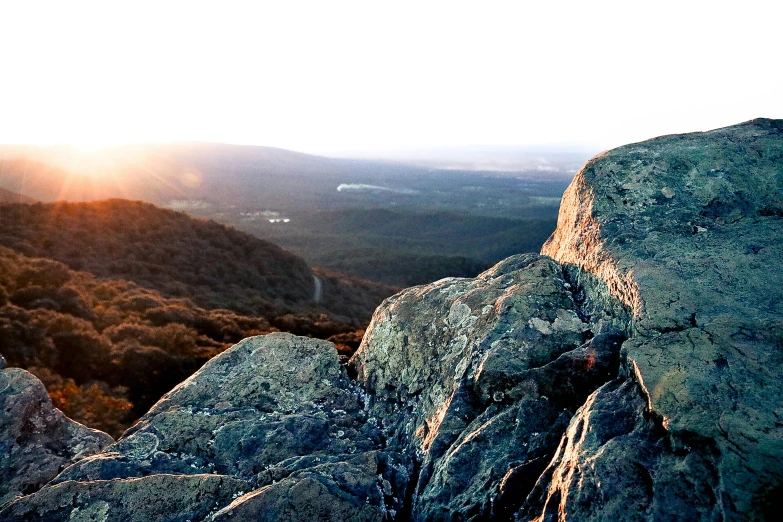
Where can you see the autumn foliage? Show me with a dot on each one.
(111, 304)
(106, 349)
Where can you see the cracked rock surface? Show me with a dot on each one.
(474, 380)
(687, 231)
(36, 440)
(633, 372)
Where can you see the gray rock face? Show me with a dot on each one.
(475, 380)
(265, 401)
(253, 417)
(686, 230)
(275, 415)
(36, 440)
(159, 497)
(632, 375)
(615, 462)
(345, 491)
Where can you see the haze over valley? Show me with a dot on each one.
(389, 221)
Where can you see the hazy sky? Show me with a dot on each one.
(327, 76)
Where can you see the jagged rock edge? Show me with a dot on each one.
(578, 241)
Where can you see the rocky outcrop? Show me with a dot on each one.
(265, 401)
(465, 382)
(36, 440)
(475, 380)
(158, 497)
(275, 415)
(631, 373)
(686, 230)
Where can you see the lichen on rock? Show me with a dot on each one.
(693, 223)
(475, 378)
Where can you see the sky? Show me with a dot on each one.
(336, 76)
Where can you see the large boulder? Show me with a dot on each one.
(475, 380)
(251, 419)
(686, 230)
(266, 400)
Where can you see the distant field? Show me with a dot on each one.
(404, 248)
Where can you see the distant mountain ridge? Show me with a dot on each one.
(161, 173)
(9, 196)
(225, 174)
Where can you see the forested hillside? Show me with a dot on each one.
(106, 349)
(389, 221)
(406, 248)
(213, 265)
(112, 303)
(9, 196)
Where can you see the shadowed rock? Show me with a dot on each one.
(346, 491)
(36, 440)
(262, 410)
(474, 380)
(255, 412)
(158, 497)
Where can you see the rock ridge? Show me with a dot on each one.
(631, 372)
